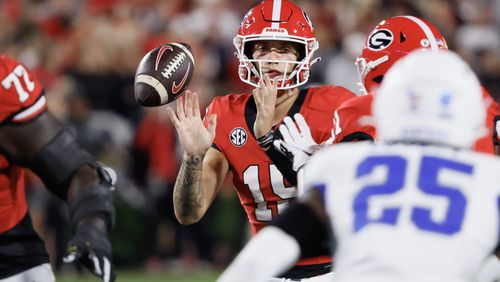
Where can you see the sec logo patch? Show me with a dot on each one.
(238, 136)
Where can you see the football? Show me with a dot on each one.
(163, 74)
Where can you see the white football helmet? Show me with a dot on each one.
(432, 97)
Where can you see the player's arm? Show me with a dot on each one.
(490, 269)
(279, 156)
(265, 101)
(203, 168)
(351, 121)
(51, 151)
(199, 179)
(278, 246)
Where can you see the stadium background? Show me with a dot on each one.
(86, 52)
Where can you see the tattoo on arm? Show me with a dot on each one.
(188, 194)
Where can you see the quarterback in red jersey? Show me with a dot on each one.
(275, 45)
(31, 137)
(388, 42)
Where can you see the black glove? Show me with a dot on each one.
(91, 248)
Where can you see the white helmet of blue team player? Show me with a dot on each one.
(432, 97)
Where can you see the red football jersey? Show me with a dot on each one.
(486, 144)
(261, 188)
(21, 100)
(352, 122)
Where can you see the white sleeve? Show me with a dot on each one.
(490, 270)
(269, 253)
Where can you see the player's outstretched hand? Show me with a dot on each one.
(194, 137)
(297, 141)
(91, 248)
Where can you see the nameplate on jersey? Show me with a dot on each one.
(238, 136)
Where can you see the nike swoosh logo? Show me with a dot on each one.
(160, 53)
(175, 87)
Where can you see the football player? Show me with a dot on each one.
(391, 40)
(275, 45)
(418, 206)
(31, 137)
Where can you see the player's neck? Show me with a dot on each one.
(286, 96)
(284, 102)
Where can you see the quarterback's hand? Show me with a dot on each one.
(297, 143)
(91, 248)
(194, 137)
(265, 101)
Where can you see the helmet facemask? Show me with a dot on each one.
(250, 70)
(363, 68)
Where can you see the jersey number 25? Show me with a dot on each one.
(427, 183)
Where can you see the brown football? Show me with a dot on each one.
(163, 74)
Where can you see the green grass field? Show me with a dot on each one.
(137, 276)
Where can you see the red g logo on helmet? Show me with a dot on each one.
(391, 40)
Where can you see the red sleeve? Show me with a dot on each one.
(351, 120)
(318, 109)
(21, 95)
(492, 122)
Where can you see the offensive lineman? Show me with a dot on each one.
(30, 136)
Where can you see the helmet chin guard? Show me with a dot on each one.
(278, 20)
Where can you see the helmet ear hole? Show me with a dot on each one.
(378, 78)
(402, 37)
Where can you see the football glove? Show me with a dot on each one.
(91, 248)
(297, 142)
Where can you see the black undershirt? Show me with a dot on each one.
(21, 249)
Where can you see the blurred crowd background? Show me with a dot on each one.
(85, 53)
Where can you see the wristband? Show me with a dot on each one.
(266, 140)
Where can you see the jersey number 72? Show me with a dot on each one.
(13, 79)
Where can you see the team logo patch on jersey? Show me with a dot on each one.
(380, 39)
(238, 136)
(445, 101)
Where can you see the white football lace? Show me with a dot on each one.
(173, 65)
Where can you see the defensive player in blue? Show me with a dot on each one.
(416, 205)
